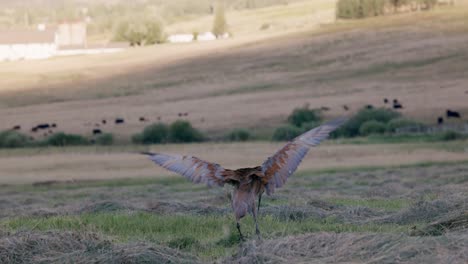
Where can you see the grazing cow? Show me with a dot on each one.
(324, 108)
(97, 131)
(397, 105)
(440, 120)
(454, 114)
(143, 119)
(104, 121)
(34, 129)
(185, 114)
(179, 114)
(43, 126)
(53, 125)
(369, 106)
(345, 107)
(119, 121)
(385, 100)
(17, 127)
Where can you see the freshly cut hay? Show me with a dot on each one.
(457, 222)
(355, 248)
(426, 211)
(79, 247)
(103, 207)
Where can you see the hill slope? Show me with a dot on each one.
(418, 58)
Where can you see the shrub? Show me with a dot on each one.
(303, 115)
(61, 139)
(105, 139)
(238, 134)
(349, 9)
(397, 123)
(351, 128)
(13, 139)
(450, 135)
(219, 23)
(153, 134)
(139, 30)
(285, 133)
(309, 125)
(182, 131)
(372, 127)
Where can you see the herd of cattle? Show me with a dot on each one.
(48, 128)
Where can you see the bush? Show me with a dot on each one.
(450, 135)
(13, 139)
(105, 139)
(153, 134)
(238, 135)
(219, 23)
(349, 9)
(286, 133)
(61, 139)
(372, 127)
(303, 115)
(139, 30)
(182, 131)
(309, 125)
(352, 127)
(395, 124)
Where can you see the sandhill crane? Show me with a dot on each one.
(249, 182)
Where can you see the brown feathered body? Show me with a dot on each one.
(249, 183)
(246, 190)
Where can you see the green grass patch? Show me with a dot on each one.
(210, 237)
(385, 204)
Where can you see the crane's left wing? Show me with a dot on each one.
(194, 169)
(285, 161)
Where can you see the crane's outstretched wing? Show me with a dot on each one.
(194, 169)
(285, 161)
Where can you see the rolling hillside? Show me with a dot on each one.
(418, 58)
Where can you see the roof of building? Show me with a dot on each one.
(26, 36)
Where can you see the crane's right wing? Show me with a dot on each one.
(285, 161)
(194, 169)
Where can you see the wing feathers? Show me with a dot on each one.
(192, 168)
(285, 161)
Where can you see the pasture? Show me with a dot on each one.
(354, 200)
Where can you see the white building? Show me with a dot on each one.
(27, 44)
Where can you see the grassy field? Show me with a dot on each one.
(375, 200)
(96, 219)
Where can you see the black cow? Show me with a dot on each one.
(397, 105)
(385, 100)
(53, 125)
(17, 127)
(453, 114)
(142, 119)
(43, 126)
(345, 107)
(97, 131)
(369, 106)
(104, 121)
(119, 121)
(440, 120)
(180, 114)
(324, 108)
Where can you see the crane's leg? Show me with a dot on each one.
(259, 200)
(240, 233)
(257, 231)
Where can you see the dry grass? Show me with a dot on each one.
(89, 163)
